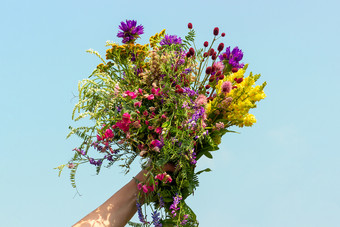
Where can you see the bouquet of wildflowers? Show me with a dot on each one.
(168, 102)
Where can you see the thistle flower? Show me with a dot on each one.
(130, 31)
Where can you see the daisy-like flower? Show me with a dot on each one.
(130, 31)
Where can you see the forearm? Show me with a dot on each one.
(117, 210)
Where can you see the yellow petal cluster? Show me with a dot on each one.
(155, 39)
(243, 97)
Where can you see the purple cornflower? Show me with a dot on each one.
(170, 39)
(140, 213)
(174, 206)
(156, 219)
(233, 58)
(130, 31)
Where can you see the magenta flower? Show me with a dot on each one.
(109, 133)
(150, 97)
(130, 93)
(138, 104)
(145, 188)
(130, 31)
(155, 92)
(126, 118)
(158, 130)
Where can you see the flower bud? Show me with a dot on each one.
(216, 30)
(207, 86)
(191, 51)
(221, 77)
(213, 57)
(234, 87)
(234, 70)
(220, 47)
(219, 73)
(205, 54)
(208, 70)
(188, 55)
(239, 80)
(223, 34)
(206, 44)
(211, 51)
(211, 79)
(190, 25)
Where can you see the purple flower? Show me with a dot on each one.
(140, 213)
(170, 39)
(156, 219)
(130, 31)
(174, 206)
(233, 58)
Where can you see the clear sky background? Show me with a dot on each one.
(284, 171)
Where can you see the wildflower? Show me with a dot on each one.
(226, 87)
(233, 58)
(140, 213)
(145, 188)
(190, 25)
(70, 165)
(109, 133)
(150, 97)
(220, 47)
(206, 44)
(216, 30)
(158, 130)
(174, 206)
(208, 70)
(130, 31)
(201, 100)
(185, 219)
(156, 219)
(223, 34)
(138, 104)
(219, 125)
(192, 51)
(170, 39)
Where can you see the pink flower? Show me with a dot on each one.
(145, 188)
(160, 176)
(155, 92)
(151, 188)
(139, 186)
(99, 138)
(114, 126)
(138, 104)
(168, 179)
(219, 66)
(201, 100)
(145, 113)
(226, 87)
(150, 127)
(158, 130)
(126, 118)
(109, 133)
(150, 97)
(140, 91)
(130, 93)
(163, 116)
(146, 122)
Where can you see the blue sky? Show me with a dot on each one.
(282, 172)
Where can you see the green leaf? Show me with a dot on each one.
(208, 154)
(204, 170)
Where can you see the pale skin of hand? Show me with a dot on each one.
(119, 208)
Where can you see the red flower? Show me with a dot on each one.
(190, 25)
